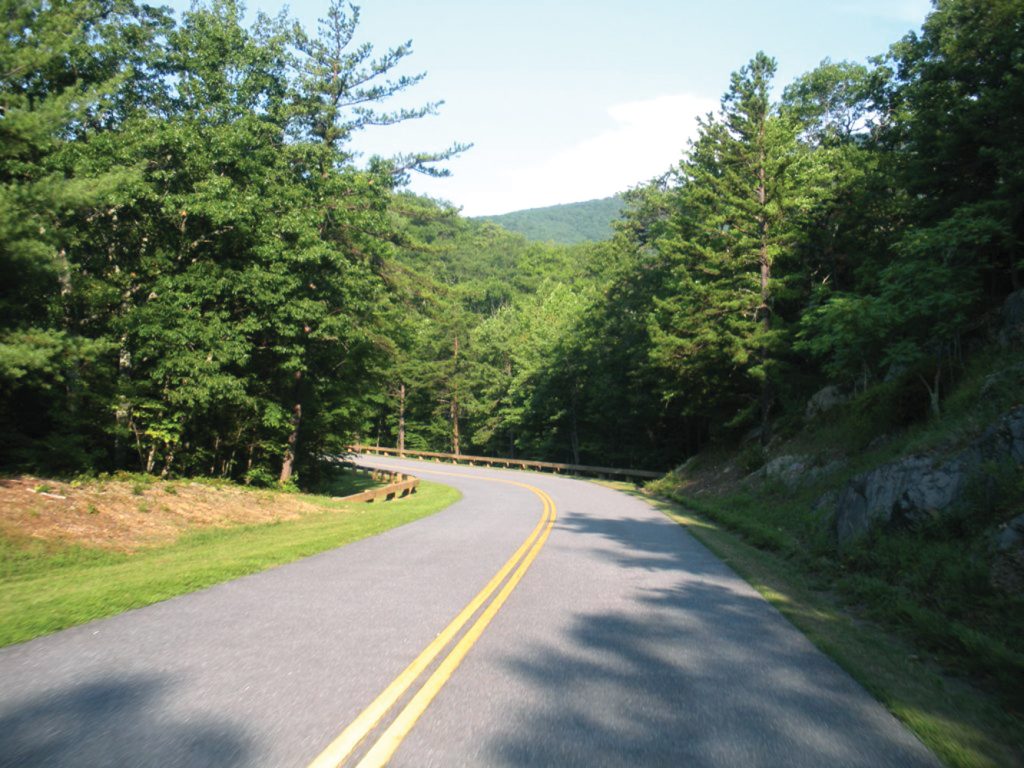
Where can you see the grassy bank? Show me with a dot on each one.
(49, 587)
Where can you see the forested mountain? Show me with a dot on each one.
(570, 223)
(859, 230)
(197, 279)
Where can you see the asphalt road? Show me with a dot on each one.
(625, 643)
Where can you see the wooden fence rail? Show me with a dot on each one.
(399, 484)
(490, 461)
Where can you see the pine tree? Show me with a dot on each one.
(717, 331)
(69, 73)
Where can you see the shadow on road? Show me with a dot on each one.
(649, 543)
(694, 669)
(113, 723)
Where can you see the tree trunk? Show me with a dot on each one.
(762, 255)
(455, 425)
(767, 390)
(933, 388)
(401, 419)
(168, 462)
(216, 455)
(767, 401)
(124, 367)
(454, 410)
(574, 437)
(288, 463)
(1016, 283)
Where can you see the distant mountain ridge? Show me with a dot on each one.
(568, 223)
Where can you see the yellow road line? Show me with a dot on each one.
(343, 746)
(392, 737)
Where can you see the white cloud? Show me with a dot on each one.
(648, 137)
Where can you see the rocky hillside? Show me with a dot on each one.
(919, 525)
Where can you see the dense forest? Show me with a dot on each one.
(568, 223)
(199, 279)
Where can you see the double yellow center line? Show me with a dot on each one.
(339, 750)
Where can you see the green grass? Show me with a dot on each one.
(930, 585)
(43, 590)
(344, 482)
(964, 726)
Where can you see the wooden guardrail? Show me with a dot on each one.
(399, 485)
(490, 461)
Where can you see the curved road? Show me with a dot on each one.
(623, 642)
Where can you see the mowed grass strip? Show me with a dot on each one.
(56, 590)
(962, 725)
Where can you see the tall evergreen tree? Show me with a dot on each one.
(69, 73)
(717, 332)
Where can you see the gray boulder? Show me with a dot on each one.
(1011, 376)
(793, 470)
(1011, 535)
(917, 488)
(825, 505)
(1002, 441)
(824, 400)
(785, 469)
(1012, 332)
(908, 491)
(896, 369)
(1013, 309)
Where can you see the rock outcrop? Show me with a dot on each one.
(1012, 332)
(794, 470)
(916, 488)
(824, 400)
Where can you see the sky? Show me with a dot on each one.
(569, 100)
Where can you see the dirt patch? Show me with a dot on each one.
(126, 515)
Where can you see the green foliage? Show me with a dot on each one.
(955, 248)
(797, 242)
(717, 331)
(567, 224)
(202, 262)
(196, 279)
(259, 477)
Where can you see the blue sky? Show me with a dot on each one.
(574, 99)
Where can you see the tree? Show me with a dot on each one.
(716, 330)
(949, 133)
(69, 73)
(957, 97)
